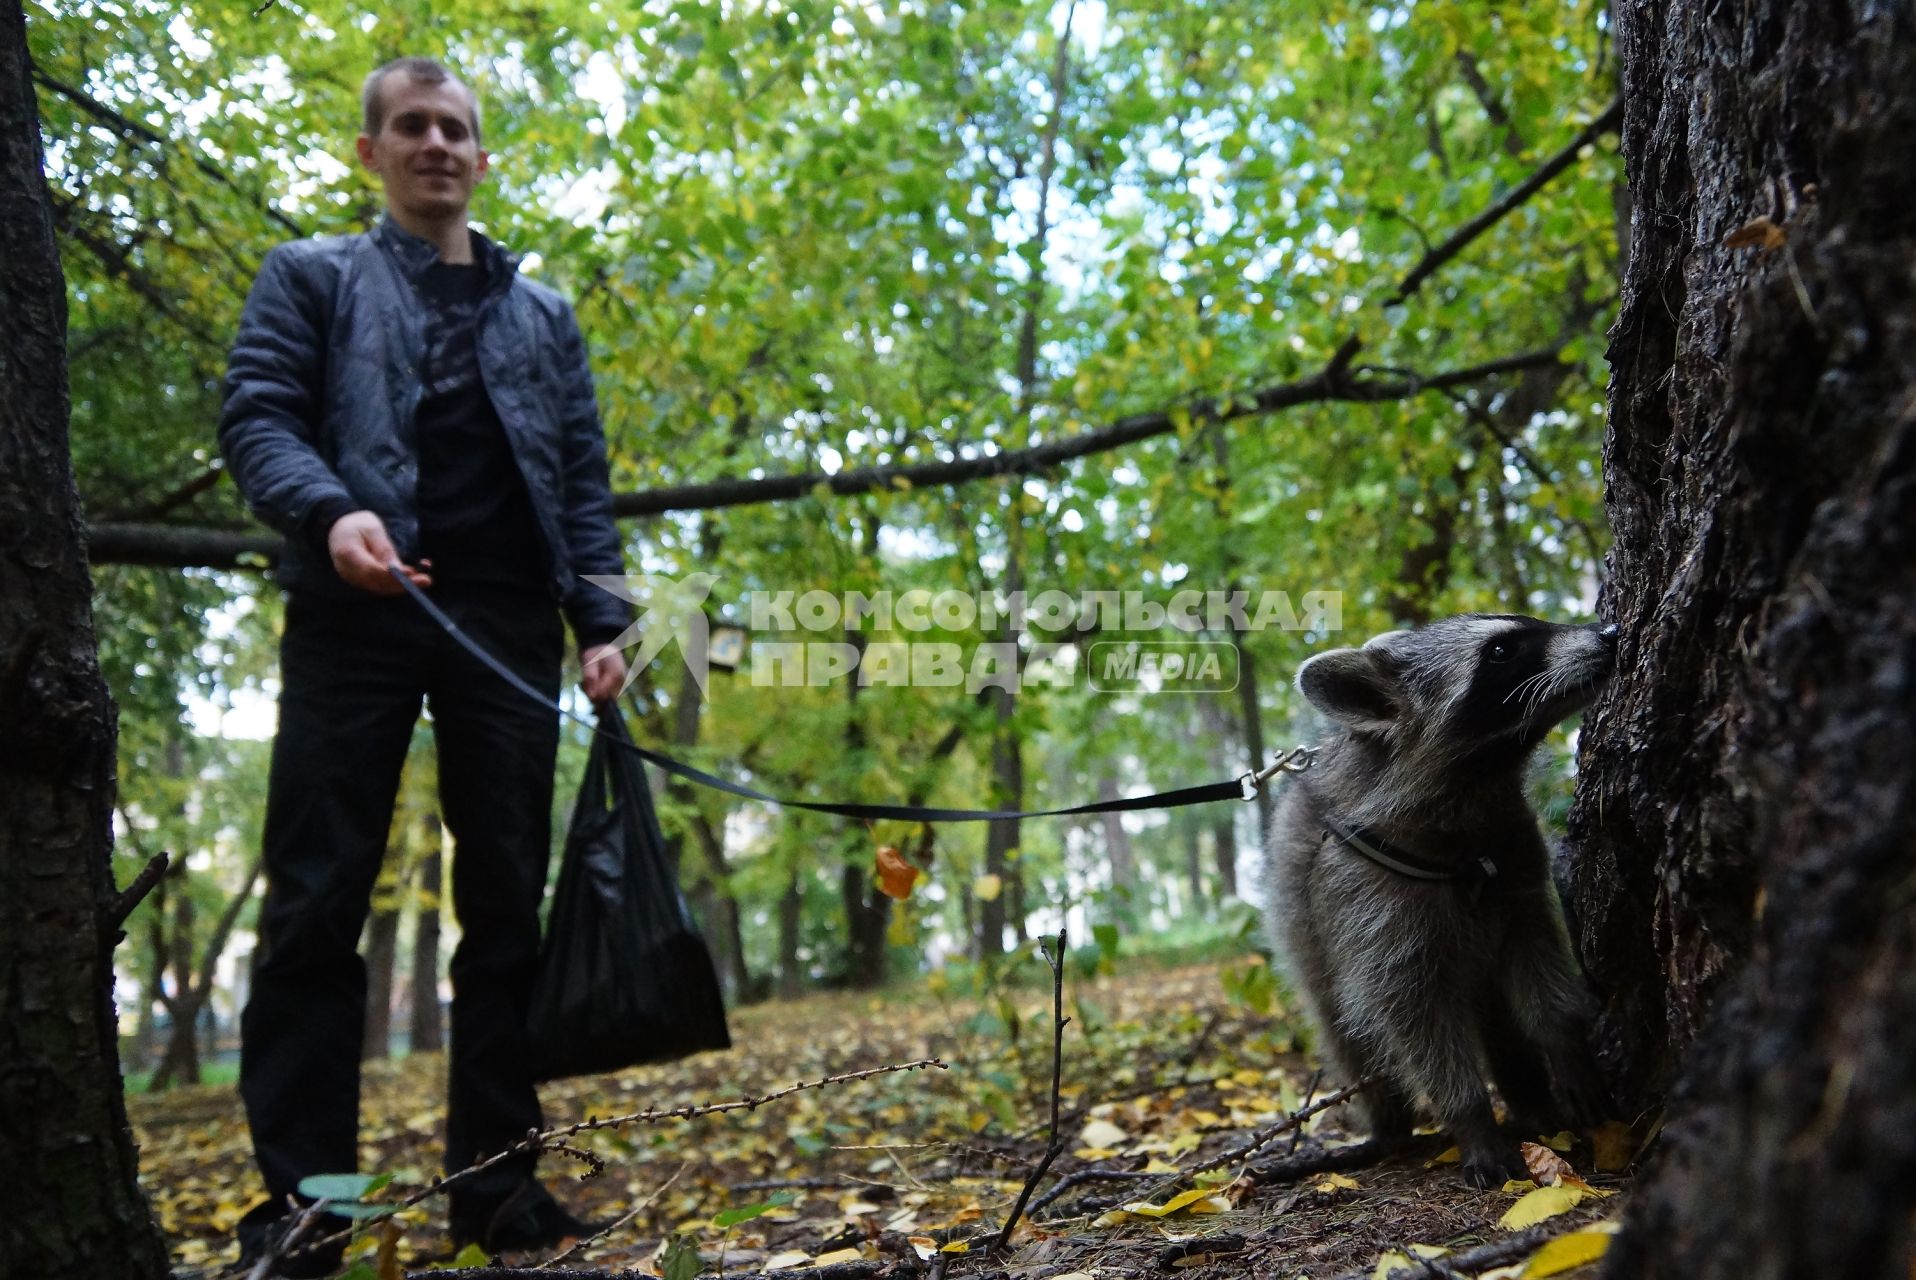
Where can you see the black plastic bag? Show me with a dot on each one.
(624, 976)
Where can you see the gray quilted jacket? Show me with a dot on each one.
(321, 395)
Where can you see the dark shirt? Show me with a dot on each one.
(476, 522)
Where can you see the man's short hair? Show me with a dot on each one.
(372, 98)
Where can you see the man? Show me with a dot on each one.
(404, 397)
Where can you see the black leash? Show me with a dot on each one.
(1243, 787)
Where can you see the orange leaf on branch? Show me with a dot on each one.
(895, 875)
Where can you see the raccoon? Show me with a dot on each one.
(1410, 890)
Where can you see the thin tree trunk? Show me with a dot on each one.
(1193, 866)
(428, 1028)
(74, 1205)
(790, 905)
(382, 954)
(194, 994)
(1118, 855)
(1224, 855)
(1743, 825)
(728, 938)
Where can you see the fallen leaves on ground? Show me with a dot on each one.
(1162, 1074)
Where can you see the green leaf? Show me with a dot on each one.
(725, 1219)
(345, 1193)
(681, 1261)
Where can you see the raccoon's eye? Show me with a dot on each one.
(1498, 652)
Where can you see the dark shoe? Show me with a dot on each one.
(526, 1218)
(265, 1226)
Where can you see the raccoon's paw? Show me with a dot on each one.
(1492, 1166)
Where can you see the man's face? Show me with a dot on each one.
(425, 152)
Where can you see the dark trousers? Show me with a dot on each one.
(353, 674)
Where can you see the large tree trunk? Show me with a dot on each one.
(1745, 890)
(74, 1207)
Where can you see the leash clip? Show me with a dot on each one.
(1296, 760)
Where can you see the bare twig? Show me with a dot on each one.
(1459, 240)
(1057, 1080)
(135, 893)
(637, 1208)
(556, 1139)
(1258, 1141)
(1081, 1177)
(1336, 1159)
(1495, 1253)
(1310, 1095)
(1271, 1132)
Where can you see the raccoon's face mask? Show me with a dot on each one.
(1462, 685)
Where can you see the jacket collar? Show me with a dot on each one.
(413, 255)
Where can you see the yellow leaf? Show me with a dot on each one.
(1095, 1153)
(987, 888)
(789, 1258)
(1111, 1218)
(1393, 1262)
(1567, 1251)
(1450, 1155)
(1547, 1202)
(1336, 1182)
(957, 1246)
(1562, 1141)
(1102, 1133)
(837, 1256)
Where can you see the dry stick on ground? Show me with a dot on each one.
(1493, 1254)
(1244, 1151)
(637, 1208)
(555, 1139)
(1310, 1094)
(1056, 1144)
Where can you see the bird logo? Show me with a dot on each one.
(668, 609)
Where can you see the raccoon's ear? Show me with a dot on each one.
(1355, 687)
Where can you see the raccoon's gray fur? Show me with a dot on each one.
(1423, 984)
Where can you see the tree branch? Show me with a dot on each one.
(1460, 239)
(180, 546)
(172, 500)
(135, 893)
(133, 131)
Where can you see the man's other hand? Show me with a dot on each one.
(603, 672)
(361, 551)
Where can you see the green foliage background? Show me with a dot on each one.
(805, 237)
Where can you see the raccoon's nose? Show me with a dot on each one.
(1610, 633)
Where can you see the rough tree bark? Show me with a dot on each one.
(1745, 886)
(74, 1203)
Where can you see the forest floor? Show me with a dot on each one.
(1179, 1153)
